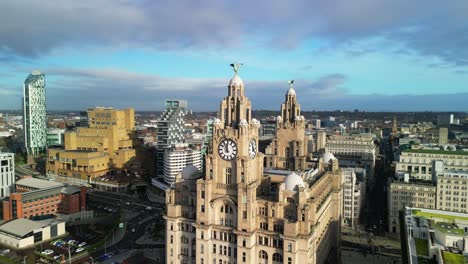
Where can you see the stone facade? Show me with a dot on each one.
(234, 213)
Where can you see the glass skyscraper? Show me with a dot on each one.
(34, 114)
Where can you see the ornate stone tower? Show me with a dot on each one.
(289, 148)
(226, 196)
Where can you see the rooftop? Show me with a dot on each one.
(448, 228)
(22, 226)
(432, 151)
(38, 183)
(429, 215)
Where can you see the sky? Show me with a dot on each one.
(372, 55)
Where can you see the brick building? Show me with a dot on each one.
(35, 197)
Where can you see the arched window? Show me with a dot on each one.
(277, 257)
(290, 200)
(262, 254)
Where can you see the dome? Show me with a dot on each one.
(243, 122)
(292, 181)
(188, 173)
(255, 122)
(236, 81)
(291, 91)
(279, 118)
(217, 121)
(327, 156)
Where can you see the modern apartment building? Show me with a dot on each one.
(35, 197)
(235, 214)
(177, 157)
(34, 114)
(171, 127)
(106, 145)
(7, 173)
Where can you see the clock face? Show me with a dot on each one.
(227, 149)
(252, 148)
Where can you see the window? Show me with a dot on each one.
(243, 257)
(172, 238)
(214, 248)
(277, 257)
(202, 235)
(289, 247)
(262, 254)
(289, 260)
(202, 208)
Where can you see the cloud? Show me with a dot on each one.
(430, 28)
(81, 88)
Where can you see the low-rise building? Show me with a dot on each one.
(434, 235)
(36, 197)
(23, 233)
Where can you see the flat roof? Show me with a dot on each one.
(434, 151)
(39, 183)
(22, 226)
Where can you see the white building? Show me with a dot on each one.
(353, 196)
(171, 127)
(434, 234)
(354, 150)
(34, 113)
(7, 173)
(177, 157)
(22, 233)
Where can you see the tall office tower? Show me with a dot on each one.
(236, 214)
(34, 114)
(288, 150)
(7, 173)
(443, 135)
(171, 127)
(106, 145)
(177, 157)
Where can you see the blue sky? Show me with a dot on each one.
(366, 54)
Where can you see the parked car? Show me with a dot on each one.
(82, 244)
(48, 252)
(78, 250)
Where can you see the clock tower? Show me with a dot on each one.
(226, 196)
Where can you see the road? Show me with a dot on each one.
(377, 196)
(136, 219)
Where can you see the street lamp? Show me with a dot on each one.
(24, 260)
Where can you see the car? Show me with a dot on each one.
(127, 203)
(47, 252)
(82, 244)
(57, 257)
(78, 250)
(149, 208)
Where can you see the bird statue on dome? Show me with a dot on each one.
(236, 66)
(291, 83)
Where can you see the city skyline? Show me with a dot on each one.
(138, 54)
